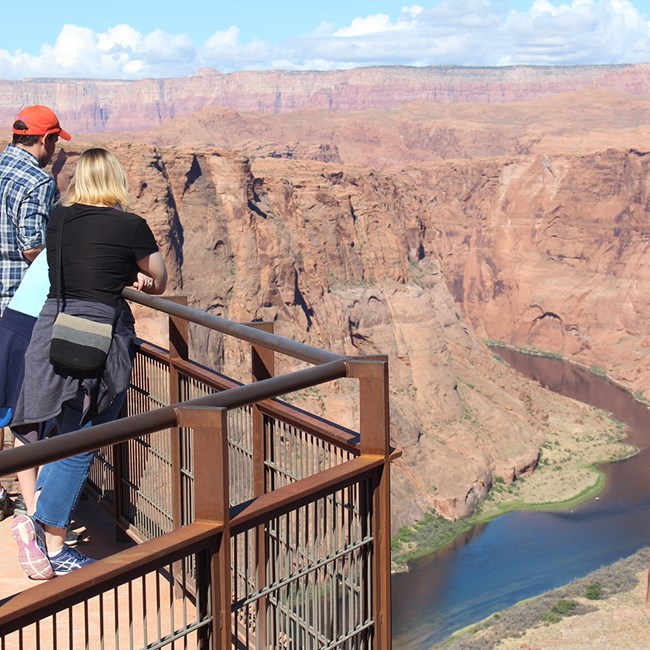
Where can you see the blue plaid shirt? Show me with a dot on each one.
(27, 194)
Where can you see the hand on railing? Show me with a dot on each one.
(143, 282)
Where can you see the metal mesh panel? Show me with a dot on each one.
(316, 586)
(240, 454)
(303, 580)
(147, 484)
(146, 463)
(149, 384)
(100, 477)
(240, 438)
(147, 612)
(293, 454)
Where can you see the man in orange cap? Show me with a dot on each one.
(27, 193)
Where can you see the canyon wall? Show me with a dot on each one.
(536, 212)
(90, 106)
(550, 253)
(408, 230)
(346, 259)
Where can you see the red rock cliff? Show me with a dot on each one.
(525, 222)
(341, 258)
(101, 105)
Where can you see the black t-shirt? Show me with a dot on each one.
(99, 253)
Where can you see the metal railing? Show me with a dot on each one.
(261, 525)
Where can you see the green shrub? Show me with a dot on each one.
(564, 606)
(594, 591)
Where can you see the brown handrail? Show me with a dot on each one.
(102, 435)
(25, 608)
(253, 335)
(282, 500)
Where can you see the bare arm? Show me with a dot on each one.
(30, 254)
(152, 267)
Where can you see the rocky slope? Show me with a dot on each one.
(536, 212)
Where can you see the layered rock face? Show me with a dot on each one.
(551, 253)
(536, 212)
(348, 260)
(100, 105)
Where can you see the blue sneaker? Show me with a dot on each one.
(72, 538)
(19, 505)
(68, 559)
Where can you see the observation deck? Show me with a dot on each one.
(222, 516)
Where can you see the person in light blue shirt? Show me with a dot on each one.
(19, 319)
(16, 325)
(32, 291)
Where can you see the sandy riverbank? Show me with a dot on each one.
(605, 610)
(567, 472)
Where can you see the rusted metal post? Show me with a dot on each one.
(262, 367)
(263, 359)
(120, 463)
(178, 350)
(212, 504)
(374, 429)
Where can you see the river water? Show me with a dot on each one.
(523, 554)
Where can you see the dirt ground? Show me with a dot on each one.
(620, 622)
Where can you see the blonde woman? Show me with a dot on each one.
(97, 248)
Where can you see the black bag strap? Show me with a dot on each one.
(59, 273)
(59, 263)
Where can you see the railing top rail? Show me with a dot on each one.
(102, 435)
(274, 342)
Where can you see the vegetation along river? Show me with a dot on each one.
(523, 554)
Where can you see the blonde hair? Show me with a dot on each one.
(98, 180)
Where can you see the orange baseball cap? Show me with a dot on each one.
(40, 120)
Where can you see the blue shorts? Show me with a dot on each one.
(15, 334)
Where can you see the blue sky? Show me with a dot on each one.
(130, 39)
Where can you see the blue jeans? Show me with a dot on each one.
(62, 481)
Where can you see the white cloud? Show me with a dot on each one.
(461, 32)
(377, 24)
(224, 52)
(119, 36)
